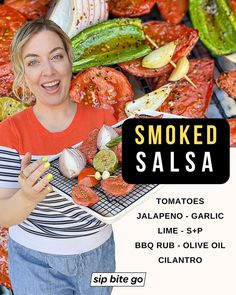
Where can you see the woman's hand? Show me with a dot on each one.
(33, 187)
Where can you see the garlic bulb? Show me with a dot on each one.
(105, 134)
(71, 162)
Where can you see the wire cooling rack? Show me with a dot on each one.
(109, 207)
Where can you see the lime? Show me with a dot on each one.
(9, 106)
(105, 160)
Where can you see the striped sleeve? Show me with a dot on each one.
(10, 161)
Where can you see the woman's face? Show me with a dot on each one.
(47, 68)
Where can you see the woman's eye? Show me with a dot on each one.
(57, 57)
(33, 62)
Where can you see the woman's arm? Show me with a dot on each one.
(16, 205)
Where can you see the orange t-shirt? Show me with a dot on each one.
(24, 133)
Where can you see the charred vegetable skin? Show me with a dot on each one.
(108, 43)
(216, 23)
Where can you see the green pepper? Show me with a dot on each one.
(108, 43)
(114, 142)
(216, 23)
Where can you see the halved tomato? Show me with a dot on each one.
(116, 186)
(173, 11)
(161, 33)
(6, 79)
(86, 178)
(186, 100)
(84, 196)
(232, 125)
(11, 18)
(232, 4)
(118, 151)
(10, 21)
(130, 8)
(31, 9)
(102, 87)
(227, 82)
(4, 277)
(89, 146)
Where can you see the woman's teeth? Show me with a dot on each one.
(51, 85)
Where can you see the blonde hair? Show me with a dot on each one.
(21, 37)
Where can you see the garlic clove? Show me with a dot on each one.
(181, 70)
(98, 175)
(159, 57)
(105, 174)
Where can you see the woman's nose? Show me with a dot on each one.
(48, 68)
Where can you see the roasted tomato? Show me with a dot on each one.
(6, 80)
(84, 196)
(116, 186)
(173, 11)
(227, 82)
(118, 151)
(31, 9)
(4, 278)
(161, 33)
(102, 87)
(232, 4)
(89, 146)
(186, 100)
(86, 178)
(130, 8)
(232, 125)
(10, 21)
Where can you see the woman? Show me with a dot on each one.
(54, 246)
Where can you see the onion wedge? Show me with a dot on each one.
(62, 13)
(150, 101)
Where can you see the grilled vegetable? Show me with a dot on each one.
(227, 82)
(108, 43)
(73, 16)
(114, 142)
(173, 11)
(150, 101)
(10, 106)
(216, 23)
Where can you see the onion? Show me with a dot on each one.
(73, 16)
(105, 134)
(71, 162)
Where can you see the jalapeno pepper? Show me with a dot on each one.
(216, 23)
(108, 43)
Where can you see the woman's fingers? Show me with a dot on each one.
(37, 173)
(43, 183)
(25, 161)
(28, 168)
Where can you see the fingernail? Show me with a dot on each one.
(45, 159)
(49, 176)
(47, 165)
(49, 188)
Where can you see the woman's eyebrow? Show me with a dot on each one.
(35, 55)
